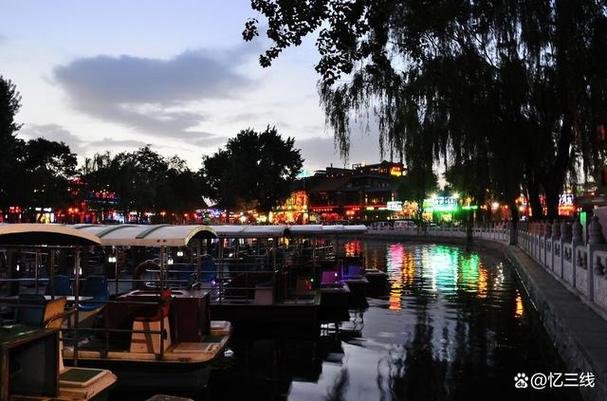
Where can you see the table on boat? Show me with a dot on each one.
(29, 361)
(189, 313)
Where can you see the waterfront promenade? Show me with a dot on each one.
(564, 276)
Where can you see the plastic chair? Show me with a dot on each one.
(96, 287)
(184, 274)
(353, 271)
(208, 270)
(148, 342)
(63, 286)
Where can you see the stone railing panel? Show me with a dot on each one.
(568, 263)
(599, 259)
(581, 271)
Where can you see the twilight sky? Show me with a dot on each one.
(115, 75)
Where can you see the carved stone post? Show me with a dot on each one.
(510, 232)
(554, 240)
(564, 237)
(595, 239)
(566, 232)
(546, 239)
(539, 230)
(576, 240)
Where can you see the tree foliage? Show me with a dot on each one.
(44, 171)
(10, 103)
(417, 185)
(145, 181)
(511, 92)
(254, 171)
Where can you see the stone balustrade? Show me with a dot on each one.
(495, 232)
(582, 265)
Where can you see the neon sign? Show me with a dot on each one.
(442, 203)
(395, 206)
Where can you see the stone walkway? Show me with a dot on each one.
(578, 333)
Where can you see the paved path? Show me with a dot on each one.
(578, 333)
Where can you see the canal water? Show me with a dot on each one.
(456, 325)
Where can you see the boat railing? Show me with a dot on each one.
(240, 285)
(72, 333)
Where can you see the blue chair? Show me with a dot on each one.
(184, 274)
(352, 271)
(208, 270)
(33, 313)
(96, 287)
(63, 286)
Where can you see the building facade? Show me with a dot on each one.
(360, 193)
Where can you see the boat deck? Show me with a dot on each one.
(183, 352)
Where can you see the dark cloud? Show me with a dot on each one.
(82, 146)
(321, 151)
(53, 132)
(208, 140)
(109, 143)
(78, 145)
(152, 95)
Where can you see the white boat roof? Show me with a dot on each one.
(325, 230)
(249, 231)
(45, 234)
(154, 235)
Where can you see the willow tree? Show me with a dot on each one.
(511, 91)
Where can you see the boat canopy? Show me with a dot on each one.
(325, 230)
(249, 231)
(45, 234)
(146, 235)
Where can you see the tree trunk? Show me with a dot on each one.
(533, 191)
(514, 216)
(554, 180)
(552, 190)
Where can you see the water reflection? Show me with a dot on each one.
(454, 326)
(438, 269)
(520, 309)
(451, 328)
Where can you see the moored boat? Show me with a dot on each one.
(153, 337)
(31, 346)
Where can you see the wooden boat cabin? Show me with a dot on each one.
(152, 335)
(341, 277)
(251, 286)
(31, 366)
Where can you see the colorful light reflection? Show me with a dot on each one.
(445, 270)
(519, 310)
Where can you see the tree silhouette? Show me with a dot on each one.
(46, 168)
(515, 91)
(145, 181)
(255, 170)
(10, 103)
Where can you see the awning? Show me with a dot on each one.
(319, 230)
(249, 231)
(44, 234)
(146, 235)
